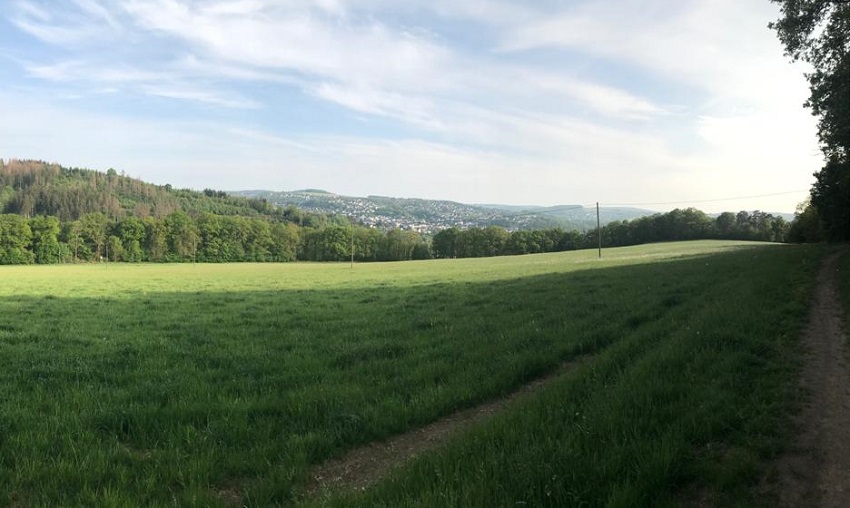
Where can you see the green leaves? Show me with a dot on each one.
(818, 32)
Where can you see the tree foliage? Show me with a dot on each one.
(32, 188)
(109, 216)
(687, 224)
(206, 237)
(831, 198)
(818, 32)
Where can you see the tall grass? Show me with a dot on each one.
(681, 410)
(211, 385)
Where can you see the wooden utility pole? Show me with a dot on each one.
(598, 230)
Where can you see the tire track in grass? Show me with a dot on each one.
(364, 466)
(816, 469)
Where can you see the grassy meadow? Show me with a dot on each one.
(215, 385)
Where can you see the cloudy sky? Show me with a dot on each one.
(651, 102)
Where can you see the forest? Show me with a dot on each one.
(52, 214)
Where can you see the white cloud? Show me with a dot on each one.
(414, 110)
(362, 64)
(77, 71)
(95, 11)
(606, 100)
(297, 40)
(203, 96)
(507, 102)
(32, 11)
(712, 44)
(90, 21)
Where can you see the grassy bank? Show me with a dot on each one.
(212, 385)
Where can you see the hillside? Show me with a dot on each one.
(31, 188)
(50, 214)
(429, 216)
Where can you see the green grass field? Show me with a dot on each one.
(173, 384)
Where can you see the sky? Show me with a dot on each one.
(651, 103)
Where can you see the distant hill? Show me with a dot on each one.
(32, 188)
(577, 213)
(427, 215)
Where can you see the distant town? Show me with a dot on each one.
(430, 216)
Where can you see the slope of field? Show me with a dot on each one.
(218, 385)
(682, 409)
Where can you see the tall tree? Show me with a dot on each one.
(93, 230)
(155, 246)
(831, 198)
(131, 230)
(818, 32)
(445, 243)
(260, 240)
(182, 234)
(284, 241)
(45, 239)
(15, 240)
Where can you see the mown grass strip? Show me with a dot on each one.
(682, 410)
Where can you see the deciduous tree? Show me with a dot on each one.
(818, 32)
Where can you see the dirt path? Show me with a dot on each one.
(364, 466)
(816, 470)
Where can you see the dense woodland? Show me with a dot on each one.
(51, 214)
(818, 33)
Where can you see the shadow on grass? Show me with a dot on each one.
(166, 396)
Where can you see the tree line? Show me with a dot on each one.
(208, 237)
(687, 224)
(52, 214)
(818, 32)
(205, 237)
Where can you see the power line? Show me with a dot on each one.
(566, 208)
(709, 200)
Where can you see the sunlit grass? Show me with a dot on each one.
(683, 409)
(197, 384)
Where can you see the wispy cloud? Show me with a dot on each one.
(303, 40)
(79, 22)
(414, 110)
(203, 96)
(94, 72)
(712, 44)
(489, 96)
(331, 52)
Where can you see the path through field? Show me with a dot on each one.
(364, 466)
(816, 470)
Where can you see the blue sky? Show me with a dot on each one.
(658, 103)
